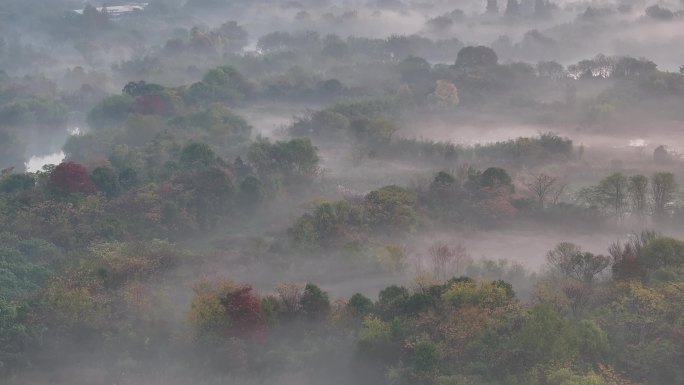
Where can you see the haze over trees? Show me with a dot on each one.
(381, 192)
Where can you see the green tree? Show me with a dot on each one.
(222, 84)
(210, 190)
(110, 112)
(476, 58)
(663, 252)
(497, 179)
(106, 180)
(390, 207)
(142, 88)
(195, 155)
(373, 133)
(443, 184)
(315, 303)
(542, 337)
(14, 336)
(414, 69)
(297, 159)
(464, 292)
(425, 357)
(392, 301)
(128, 178)
(17, 182)
(360, 305)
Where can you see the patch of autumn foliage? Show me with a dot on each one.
(496, 205)
(70, 177)
(149, 105)
(228, 309)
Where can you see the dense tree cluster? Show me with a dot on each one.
(479, 332)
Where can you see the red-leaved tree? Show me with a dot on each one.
(149, 105)
(495, 204)
(244, 308)
(70, 177)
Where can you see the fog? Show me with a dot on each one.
(433, 192)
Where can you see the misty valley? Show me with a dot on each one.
(353, 192)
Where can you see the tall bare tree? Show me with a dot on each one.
(448, 260)
(290, 294)
(541, 186)
(576, 271)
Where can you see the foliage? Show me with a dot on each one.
(13, 336)
(314, 302)
(390, 207)
(663, 252)
(572, 262)
(360, 304)
(111, 112)
(84, 278)
(70, 178)
(106, 180)
(226, 309)
(472, 58)
(220, 84)
(296, 158)
(17, 183)
(487, 294)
